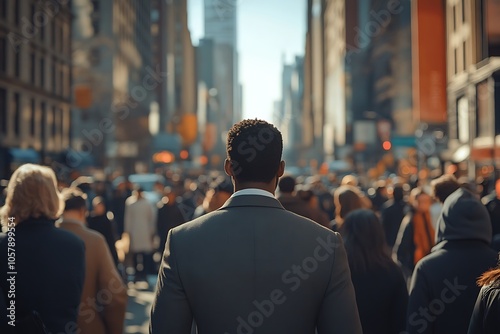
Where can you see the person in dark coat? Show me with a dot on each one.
(216, 196)
(443, 287)
(290, 200)
(381, 293)
(318, 215)
(486, 316)
(99, 221)
(118, 200)
(492, 203)
(169, 216)
(379, 198)
(392, 214)
(416, 234)
(49, 262)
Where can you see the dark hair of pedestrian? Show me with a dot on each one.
(254, 149)
(74, 199)
(398, 193)
(286, 184)
(444, 186)
(364, 241)
(346, 199)
(305, 194)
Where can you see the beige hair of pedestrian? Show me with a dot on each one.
(32, 193)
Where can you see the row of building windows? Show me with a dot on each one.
(38, 118)
(44, 19)
(39, 65)
(483, 125)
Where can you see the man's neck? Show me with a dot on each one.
(255, 185)
(73, 217)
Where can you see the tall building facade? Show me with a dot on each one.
(288, 111)
(357, 78)
(221, 27)
(35, 80)
(114, 84)
(473, 85)
(181, 64)
(340, 20)
(314, 70)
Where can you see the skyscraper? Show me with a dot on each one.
(221, 28)
(221, 22)
(112, 65)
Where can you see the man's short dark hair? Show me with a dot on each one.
(286, 184)
(254, 148)
(398, 193)
(444, 186)
(74, 199)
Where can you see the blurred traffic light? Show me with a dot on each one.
(184, 154)
(386, 145)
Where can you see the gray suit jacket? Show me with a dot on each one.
(253, 267)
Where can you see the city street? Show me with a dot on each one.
(140, 298)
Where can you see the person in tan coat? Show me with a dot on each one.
(104, 296)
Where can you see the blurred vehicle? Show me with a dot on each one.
(148, 182)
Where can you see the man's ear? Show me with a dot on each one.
(228, 168)
(281, 168)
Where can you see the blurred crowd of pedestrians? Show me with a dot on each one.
(421, 256)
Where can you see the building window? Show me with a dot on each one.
(483, 120)
(54, 75)
(61, 128)
(497, 103)
(61, 37)
(3, 8)
(42, 72)
(454, 18)
(54, 121)
(17, 12)
(17, 114)
(3, 110)
(61, 80)
(43, 123)
(455, 60)
(463, 119)
(464, 51)
(42, 33)
(53, 33)
(33, 118)
(33, 68)
(17, 64)
(3, 54)
(463, 11)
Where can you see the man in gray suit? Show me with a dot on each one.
(252, 266)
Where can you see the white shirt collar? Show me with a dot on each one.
(253, 191)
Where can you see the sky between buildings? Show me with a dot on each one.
(267, 30)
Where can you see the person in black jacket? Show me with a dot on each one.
(49, 264)
(486, 316)
(169, 216)
(392, 214)
(99, 221)
(492, 203)
(443, 288)
(380, 287)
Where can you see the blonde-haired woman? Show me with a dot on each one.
(47, 263)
